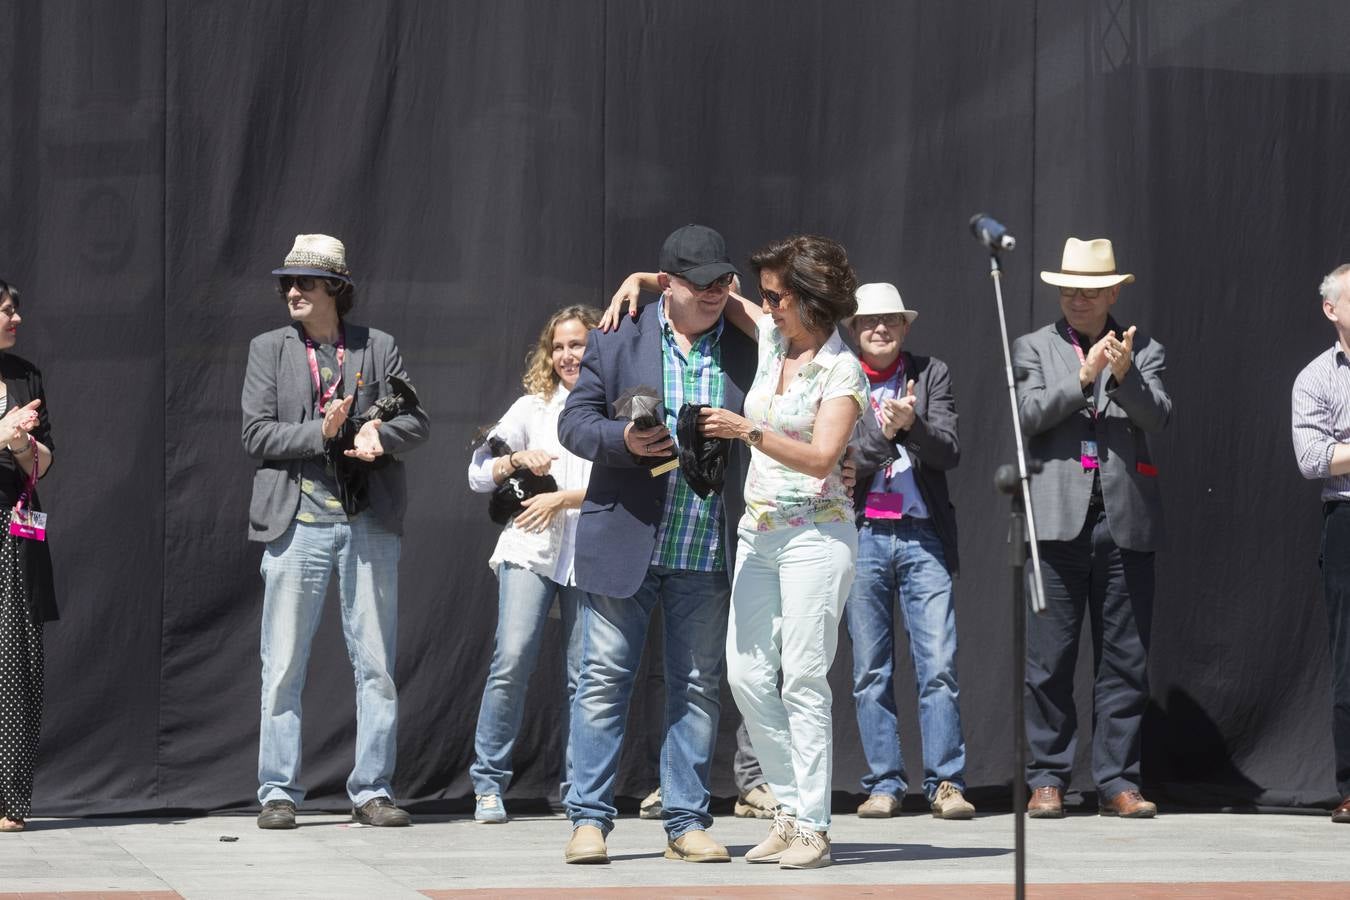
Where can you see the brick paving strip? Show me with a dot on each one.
(1266, 890)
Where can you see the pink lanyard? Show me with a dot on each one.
(30, 485)
(1082, 360)
(325, 395)
(894, 384)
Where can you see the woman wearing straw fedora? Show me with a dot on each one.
(1089, 393)
(26, 596)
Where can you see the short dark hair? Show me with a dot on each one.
(817, 271)
(343, 292)
(10, 291)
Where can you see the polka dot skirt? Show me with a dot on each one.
(20, 683)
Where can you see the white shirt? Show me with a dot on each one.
(532, 424)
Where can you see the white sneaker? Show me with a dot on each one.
(810, 850)
(781, 836)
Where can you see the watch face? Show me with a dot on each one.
(754, 436)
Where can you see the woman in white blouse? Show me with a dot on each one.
(533, 557)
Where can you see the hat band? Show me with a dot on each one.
(1085, 272)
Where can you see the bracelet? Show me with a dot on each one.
(511, 460)
(22, 451)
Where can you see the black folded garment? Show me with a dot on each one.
(703, 460)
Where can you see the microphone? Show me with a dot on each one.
(990, 232)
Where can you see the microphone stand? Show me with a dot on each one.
(1016, 483)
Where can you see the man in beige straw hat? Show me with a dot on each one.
(318, 507)
(904, 446)
(1089, 393)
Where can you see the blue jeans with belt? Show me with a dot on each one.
(902, 560)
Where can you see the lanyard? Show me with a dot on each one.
(1082, 360)
(894, 384)
(325, 394)
(30, 484)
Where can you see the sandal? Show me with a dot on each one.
(8, 824)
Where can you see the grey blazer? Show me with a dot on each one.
(1056, 419)
(281, 429)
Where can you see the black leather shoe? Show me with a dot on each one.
(277, 814)
(381, 812)
(1341, 813)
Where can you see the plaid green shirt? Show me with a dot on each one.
(690, 534)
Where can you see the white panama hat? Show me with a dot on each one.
(1087, 264)
(880, 298)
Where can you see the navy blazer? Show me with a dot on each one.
(931, 443)
(616, 531)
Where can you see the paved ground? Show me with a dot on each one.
(1179, 855)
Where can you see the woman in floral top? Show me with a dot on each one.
(798, 541)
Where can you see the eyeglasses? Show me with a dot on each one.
(773, 298)
(890, 320)
(303, 282)
(720, 281)
(1089, 293)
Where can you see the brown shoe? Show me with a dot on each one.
(587, 846)
(878, 806)
(1342, 813)
(696, 846)
(1129, 805)
(1047, 802)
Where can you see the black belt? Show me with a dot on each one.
(1329, 506)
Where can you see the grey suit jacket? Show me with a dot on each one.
(281, 428)
(616, 531)
(1056, 419)
(931, 443)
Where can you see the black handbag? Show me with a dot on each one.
(509, 497)
(353, 475)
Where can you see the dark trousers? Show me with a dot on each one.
(1115, 588)
(1336, 587)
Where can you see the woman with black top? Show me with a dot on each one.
(26, 595)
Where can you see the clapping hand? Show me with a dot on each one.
(1120, 352)
(897, 413)
(366, 446)
(16, 424)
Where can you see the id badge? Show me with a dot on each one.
(1089, 455)
(26, 523)
(881, 505)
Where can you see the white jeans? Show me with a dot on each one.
(786, 600)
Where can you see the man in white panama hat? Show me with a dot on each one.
(1089, 393)
(318, 507)
(906, 554)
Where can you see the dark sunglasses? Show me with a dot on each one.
(720, 281)
(773, 298)
(303, 282)
(1089, 293)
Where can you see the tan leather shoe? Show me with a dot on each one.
(587, 846)
(758, 803)
(1342, 813)
(781, 836)
(950, 803)
(878, 806)
(1129, 805)
(810, 850)
(696, 846)
(1047, 802)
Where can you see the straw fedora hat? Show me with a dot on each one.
(318, 255)
(1087, 264)
(879, 298)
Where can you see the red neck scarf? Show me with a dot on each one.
(883, 375)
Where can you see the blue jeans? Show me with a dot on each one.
(791, 584)
(523, 602)
(903, 557)
(613, 630)
(295, 570)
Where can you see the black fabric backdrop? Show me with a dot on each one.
(487, 162)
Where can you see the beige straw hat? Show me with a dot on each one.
(1087, 264)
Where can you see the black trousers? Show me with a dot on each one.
(1336, 588)
(1114, 587)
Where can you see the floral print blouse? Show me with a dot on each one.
(775, 495)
